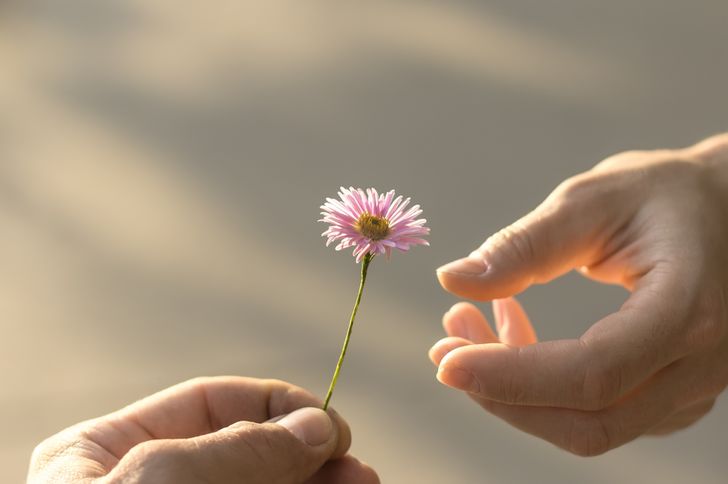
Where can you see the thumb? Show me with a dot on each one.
(557, 236)
(287, 451)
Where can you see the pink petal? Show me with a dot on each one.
(343, 214)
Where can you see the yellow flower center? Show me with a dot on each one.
(372, 227)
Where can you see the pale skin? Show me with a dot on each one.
(207, 430)
(655, 222)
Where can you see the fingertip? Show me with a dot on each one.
(514, 325)
(358, 472)
(366, 475)
(460, 285)
(473, 357)
(463, 308)
(450, 358)
(462, 277)
(444, 346)
(458, 378)
(466, 321)
(452, 320)
(467, 367)
(286, 398)
(467, 266)
(343, 433)
(434, 354)
(485, 286)
(310, 425)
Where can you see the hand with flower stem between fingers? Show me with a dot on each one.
(655, 222)
(207, 430)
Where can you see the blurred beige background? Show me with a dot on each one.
(162, 164)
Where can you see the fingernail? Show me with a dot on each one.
(436, 354)
(433, 355)
(311, 426)
(276, 419)
(458, 378)
(467, 266)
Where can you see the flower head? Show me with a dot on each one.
(372, 223)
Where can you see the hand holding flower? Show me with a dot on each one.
(213, 430)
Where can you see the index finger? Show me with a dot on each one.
(611, 358)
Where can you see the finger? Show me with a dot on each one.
(683, 418)
(288, 451)
(589, 433)
(559, 235)
(613, 357)
(514, 327)
(445, 346)
(346, 469)
(466, 321)
(710, 148)
(201, 406)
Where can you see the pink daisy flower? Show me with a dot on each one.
(372, 223)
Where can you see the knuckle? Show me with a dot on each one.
(261, 441)
(57, 447)
(515, 241)
(154, 461)
(43, 450)
(275, 382)
(49, 450)
(599, 385)
(633, 158)
(271, 446)
(576, 188)
(687, 173)
(589, 435)
(587, 191)
(509, 388)
(285, 390)
(513, 393)
(711, 149)
(155, 453)
(198, 382)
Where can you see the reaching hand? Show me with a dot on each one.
(207, 430)
(655, 222)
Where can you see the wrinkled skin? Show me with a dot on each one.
(205, 430)
(655, 222)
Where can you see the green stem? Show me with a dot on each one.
(364, 267)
